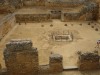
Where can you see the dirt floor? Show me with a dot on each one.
(84, 39)
(79, 73)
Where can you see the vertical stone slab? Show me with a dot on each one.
(55, 63)
(21, 58)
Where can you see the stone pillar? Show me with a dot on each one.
(55, 63)
(21, 58)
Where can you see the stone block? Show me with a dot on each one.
(89, 61)
(55, 63)
(17, 45)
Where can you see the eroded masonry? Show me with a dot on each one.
(22, 59)
(60, 30)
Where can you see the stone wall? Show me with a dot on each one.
(31, 18)
(33, 3)
(88, 61)
(21, 58)
(90, 11)
(55, 63)
(61, 5)
(64, 3)
(6, 24)
(6, 9)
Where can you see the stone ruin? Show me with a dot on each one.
(55, 9)
(5, 7)
(61, 36)
(22, 59)
(88, 61)
(56, 63)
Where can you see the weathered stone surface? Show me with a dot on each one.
(15, 45)
(55, 63)
(44, 69)
(89, 61)
(31, 18)
(22, 59)
(21, 62)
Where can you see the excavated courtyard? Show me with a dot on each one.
(84, 39)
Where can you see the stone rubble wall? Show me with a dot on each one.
(18, 45)
(44, 69)
(89, 61)
(55, 63)
(62, 5)
(22, 59)
(89, 12)
(33, 3)
(16, 3)
(31, 18)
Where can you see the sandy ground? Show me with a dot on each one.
(85, 39)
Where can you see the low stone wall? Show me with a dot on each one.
(69, 16)
(89, 61)
(31, 18)
(22, 59)
(33, 3)
(87, 13)
(55, 63)
(62, 4)
(44, 69)
(6, 24)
